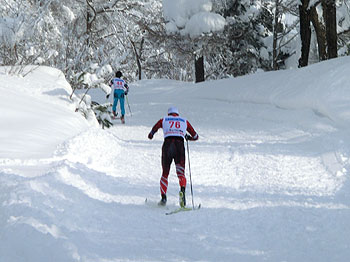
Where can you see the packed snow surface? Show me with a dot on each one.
(270, 168)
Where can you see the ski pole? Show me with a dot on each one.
(189, 168)
(127, 100)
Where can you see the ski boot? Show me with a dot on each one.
(182, 197)
(114, 115)
(122, 119)
(162, 202)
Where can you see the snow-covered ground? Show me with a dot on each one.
(271, 170)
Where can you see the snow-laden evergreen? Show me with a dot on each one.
(192, 17)
(270, 168)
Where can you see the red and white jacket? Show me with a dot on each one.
(174, 125)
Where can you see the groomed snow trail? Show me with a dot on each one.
(272, 183)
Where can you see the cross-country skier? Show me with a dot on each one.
(119, 89)
(174, 129)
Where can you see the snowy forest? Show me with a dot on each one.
(265, 85)
(163, 39)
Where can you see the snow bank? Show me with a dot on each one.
(37, 109)
(321, 88)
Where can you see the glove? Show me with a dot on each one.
(150, 135)
(188, 137)
(107, 96)
(126, 93)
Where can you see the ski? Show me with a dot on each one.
(182, 209)
(115, 117)
(153, 203)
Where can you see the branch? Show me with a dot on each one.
(93, 9)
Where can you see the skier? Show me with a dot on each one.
(174, 129)
(120, 90)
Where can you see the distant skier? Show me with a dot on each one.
(174, 129)
(119, 89)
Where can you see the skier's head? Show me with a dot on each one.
(118, 74)
(173, 111)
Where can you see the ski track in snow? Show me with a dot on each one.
(90, 202)
(266, 193)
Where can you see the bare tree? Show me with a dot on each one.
(199, 69)
(326, 32)
(138, 54)
(305, 32)
(320, 30)
(329, 13)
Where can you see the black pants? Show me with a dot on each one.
(173, 149)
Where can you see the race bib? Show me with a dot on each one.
(174, 126)
(118, 83)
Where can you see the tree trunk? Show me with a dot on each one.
(275, 36)
(305, 33)
(90, 18)
(138, 56)
(329, 12)
(199, 69)
(320, 34)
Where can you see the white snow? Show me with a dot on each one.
(68, 13)
(182, 10)
(191, 17)
(204, 22)
(271, 170)
(11, 30)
